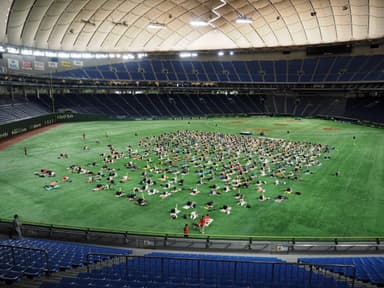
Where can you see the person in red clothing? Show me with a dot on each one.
(202, 224)
(186, 230)
(207, 220)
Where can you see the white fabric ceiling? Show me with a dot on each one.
(120, 25)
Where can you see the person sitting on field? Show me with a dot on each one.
(194, 192)
(207, 220)
(132, 196)
(119, 193)
(153, 191)
(174, 212)
(66, 179)
(238, 196)
(189, 204)
(141, 202)
(288, 190)
(214, 193)
(242, 202)
(165, 194)
(163, 178)
(193, 215)
(209, 205)
(123, 179)
(226, 209)
(175, 189)
(262, 197)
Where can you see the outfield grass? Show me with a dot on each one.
(347, 206)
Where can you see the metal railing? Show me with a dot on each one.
(134, 239)
(218, 272)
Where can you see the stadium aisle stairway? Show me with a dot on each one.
(368, 269)
(27, 258)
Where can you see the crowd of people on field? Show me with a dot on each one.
(204, 165)
(217, 173)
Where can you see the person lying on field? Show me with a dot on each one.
(52, 185)
(44, 172)
(226, 209)
(100, 187)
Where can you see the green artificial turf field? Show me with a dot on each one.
(350, 205)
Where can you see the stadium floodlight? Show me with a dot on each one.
(199, 23)
(63, 55)
(111, 55)
(50, 54)
(231, 53)
(87, 55)
(156, 25)
(38, 53)
(26, 52)
(141, 55)
(2, 49)
(101, 56)
(128, 56)
(76, 55)
(220, 53)
(244, 20)
(13, 50)
(187, 54)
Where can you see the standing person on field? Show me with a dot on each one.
(17, 226)
(186, 230)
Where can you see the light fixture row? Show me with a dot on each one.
(89, 55)
(69, 55)
(199, 23)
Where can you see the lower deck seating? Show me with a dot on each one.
(200, 270)
(18, 111)
(30, 257)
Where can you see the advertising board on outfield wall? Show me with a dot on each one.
(15, 128)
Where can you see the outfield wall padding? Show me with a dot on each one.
(15, 128)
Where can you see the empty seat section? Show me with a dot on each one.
(281, 71)
(200, 71)
(211, 73)
(242, 71)
(255, 70)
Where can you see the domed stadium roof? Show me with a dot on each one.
(121, 25)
